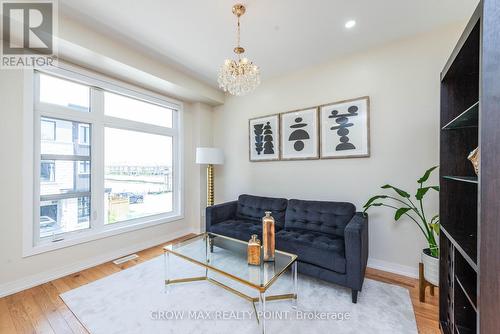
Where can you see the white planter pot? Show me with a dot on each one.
(431, 268)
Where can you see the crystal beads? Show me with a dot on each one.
(239, 77)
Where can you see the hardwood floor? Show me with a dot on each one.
(40, 310)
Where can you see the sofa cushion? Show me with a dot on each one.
(315, 248)
(317, 216)
(253, 208)
(238, 229)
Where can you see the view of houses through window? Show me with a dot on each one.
(63, 190)
(138, 180)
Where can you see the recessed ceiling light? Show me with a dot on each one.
(350, 24)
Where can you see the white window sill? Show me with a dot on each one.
(91, 235)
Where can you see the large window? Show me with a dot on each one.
(106, 156)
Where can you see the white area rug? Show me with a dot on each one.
(134, 301)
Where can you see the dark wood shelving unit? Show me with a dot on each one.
(469, 290)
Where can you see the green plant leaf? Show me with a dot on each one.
(426, 175)
(374, 198)
(400, 212)
(373, 204)
(435, 218)
(435, 227)
(422, 191)
(400, 192)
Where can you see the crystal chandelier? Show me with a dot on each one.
(241, 76)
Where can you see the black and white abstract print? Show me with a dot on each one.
(263, 138)
(299, 138)
(345, 129)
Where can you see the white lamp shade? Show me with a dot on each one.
(209, 156)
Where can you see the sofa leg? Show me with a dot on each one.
(354, 296)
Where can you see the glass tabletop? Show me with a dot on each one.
(229, 257)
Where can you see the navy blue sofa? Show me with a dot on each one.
(330, 238)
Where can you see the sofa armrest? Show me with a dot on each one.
(356, 249)
(219, 213)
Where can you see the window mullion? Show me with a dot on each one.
(65, 157)
(55, 197)
(36, 162)
(124, 124)
(97, 166)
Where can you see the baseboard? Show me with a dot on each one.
(47, 276)
(393, 268)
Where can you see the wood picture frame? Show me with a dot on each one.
(339, 145)
(299, 134)
(264, 138)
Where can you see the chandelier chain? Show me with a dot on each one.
(241, 76)
(238, 33)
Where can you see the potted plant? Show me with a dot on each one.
(405, 206)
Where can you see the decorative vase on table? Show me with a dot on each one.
(253, 253)
(268, 236)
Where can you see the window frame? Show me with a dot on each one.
(35, 109)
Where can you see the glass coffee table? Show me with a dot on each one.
(228, 257)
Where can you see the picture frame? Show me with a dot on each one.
(299, 134)
(351, 119)
(263, 136)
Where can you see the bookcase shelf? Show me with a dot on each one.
(469, 179)
(468, 119)
(469, 206)
(464, 290)
(465, 244)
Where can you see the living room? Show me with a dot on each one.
(255, 167)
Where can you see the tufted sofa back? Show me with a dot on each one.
(317, 216)
(253, 208)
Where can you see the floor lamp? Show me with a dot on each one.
(209, 156)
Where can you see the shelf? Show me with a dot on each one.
(466, 278)
(462, 242)
(444, 327)
(467, 119)
(463, 330)
(469, 179)
(467, 295)
(465, 316)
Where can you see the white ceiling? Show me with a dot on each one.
(279, 35)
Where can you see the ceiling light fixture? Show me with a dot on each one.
(241, 76)
(350, 24)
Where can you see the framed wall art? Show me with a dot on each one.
(263, 133)
(299, 134)
(345, 129)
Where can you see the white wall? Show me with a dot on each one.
(402, 80)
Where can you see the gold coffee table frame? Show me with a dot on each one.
(262, 298)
